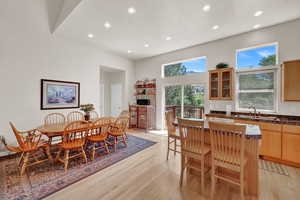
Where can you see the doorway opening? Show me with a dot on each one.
(112, 83)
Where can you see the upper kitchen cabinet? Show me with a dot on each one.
(290, 80)
(221, 84)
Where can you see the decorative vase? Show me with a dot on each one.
(87, 117)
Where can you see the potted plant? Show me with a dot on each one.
(87, 108)
(222, 65)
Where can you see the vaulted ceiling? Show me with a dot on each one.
(145, 33)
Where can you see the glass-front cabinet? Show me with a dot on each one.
(221, 84)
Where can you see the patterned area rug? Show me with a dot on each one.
(45, 179)
(273, 167)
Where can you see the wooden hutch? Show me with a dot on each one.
(221, 84)
(143, 113)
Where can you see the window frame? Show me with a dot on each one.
(256, 47)
(257, 71)
(181, 61)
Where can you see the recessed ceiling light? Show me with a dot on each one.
(215, 27)
(146, 45)
(107, 25)
(258, 13)
(206, 8)
(129, 51)
(256, 26)
(90, 35)
(131, 10)
(168, 38)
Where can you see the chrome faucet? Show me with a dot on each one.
(254, 109)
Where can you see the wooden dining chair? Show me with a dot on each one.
(118, 130)
(124, 113)
(12, 149)
(193, 147)
(94, 115)
(54, 118)
(173, 134)
(75, 116)
(73, 139)
(228, 152)
(30, 143)
(98, 135)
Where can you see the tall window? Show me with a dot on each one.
(264, 55)
(257, 89)
(192, 66)
(185, 100)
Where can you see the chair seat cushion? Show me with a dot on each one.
(116, 133)
(195, 151)
(97, 138)
(72, 145)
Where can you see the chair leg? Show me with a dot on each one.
(58, 154)
(213, 183)
(124, 140)
(175, 146)
(168, 151)
(242, 188)
(106, 147)
(20, 159)
(84, 155)
(202, 174)
(115, 143)
(47, 150)
(182, 169)
(66, 159)
(25, 163)
(93, 150)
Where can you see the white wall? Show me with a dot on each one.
(28, 53)
(287, 35)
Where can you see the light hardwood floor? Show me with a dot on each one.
(147, 175)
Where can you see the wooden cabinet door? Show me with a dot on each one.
(291, 143)
(271, 144)
(214, 85)
(226, 84)
(290, 76)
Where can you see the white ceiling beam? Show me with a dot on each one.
(58, 11)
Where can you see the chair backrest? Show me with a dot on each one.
(228, 142)
(20, 139)
(76, 130)
(101, 126)
(94, 115)
(169, 122)
(191, 134)
(124, 113)
(75, 116)
(122, 124)
(54, 118)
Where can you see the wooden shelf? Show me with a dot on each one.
(224, 78)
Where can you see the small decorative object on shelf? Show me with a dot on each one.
(87, 108)
(222, 66)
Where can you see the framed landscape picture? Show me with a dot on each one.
(59, 94)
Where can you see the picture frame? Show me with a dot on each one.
(57, 94)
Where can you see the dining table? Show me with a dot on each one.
(252, 141)
(57, 129)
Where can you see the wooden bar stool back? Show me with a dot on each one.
(228, 154)
(75, 116)
(193, 147)
(98, 135)
(173, 134)
(73, 139)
